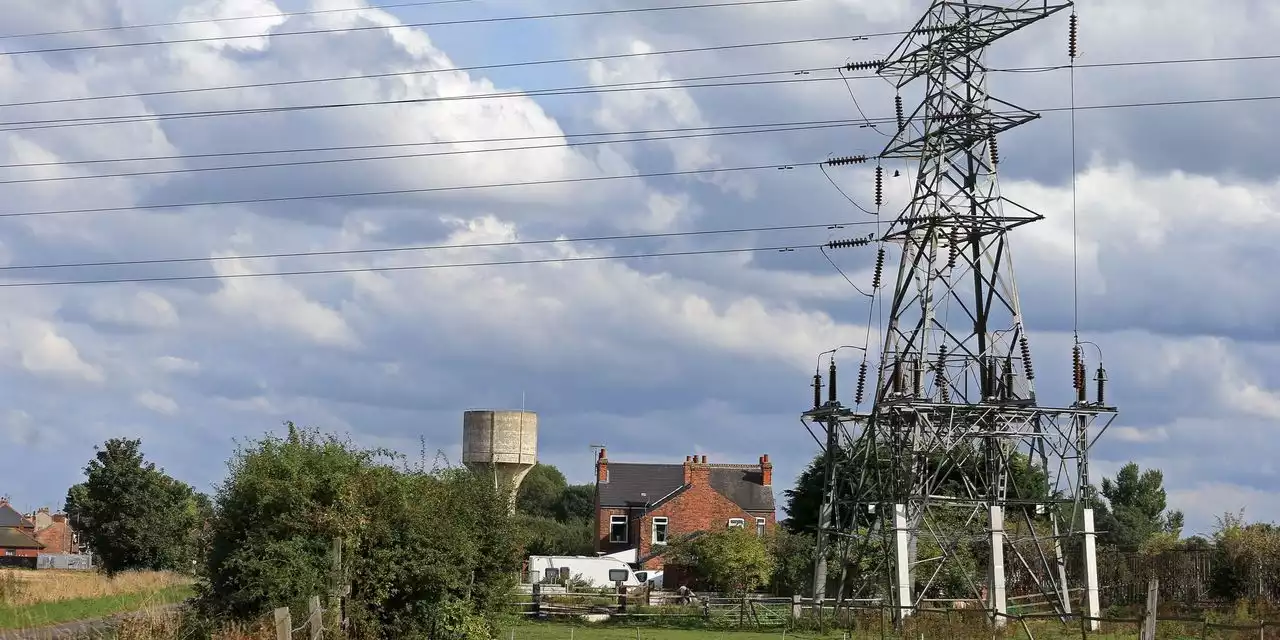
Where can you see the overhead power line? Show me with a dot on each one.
(616, 56)
(395, 145)
(436, 23)
(435, 247)
(440, 189)
(415, 72)
(343, 195)
(429, 154)
(698, 82)
(423, 267)
(647, 85)
(179, 23)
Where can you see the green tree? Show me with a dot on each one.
(1028, 482)
(541, 491)
(426, 553)
(133, 515)
(732, 560)
(1136, 508)
(576, 503)
(793, 555)
(547, 537)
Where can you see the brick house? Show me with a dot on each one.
(58, 537)
(645, 506)
(17, 534)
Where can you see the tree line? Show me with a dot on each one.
(435, 551)
(424, 552)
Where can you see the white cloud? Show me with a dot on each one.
(174, 364)
(1174, 266)
(142, 309)
(43, 351)
(157, 402)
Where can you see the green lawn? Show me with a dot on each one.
(51, 613)
(553, 631)
(614, 631)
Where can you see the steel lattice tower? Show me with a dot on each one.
(955, 455)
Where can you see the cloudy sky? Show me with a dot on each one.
(656, 358)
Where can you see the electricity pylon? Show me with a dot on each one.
(956, 465)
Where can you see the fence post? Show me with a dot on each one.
(315, 618)
(795, 607)
(537, 599)
(284, 624)
(1149, 616)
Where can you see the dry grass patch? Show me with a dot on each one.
(36, 587)
(177, 624)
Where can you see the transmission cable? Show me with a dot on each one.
(455, 265)
(615, 56)
(431, 154)
(392, 145)
(441, 189)
(413, 72)
(436, 23)
(435, 247)
(263, 200)
(583, 89)
(786, 126)
(285, 14)
(614, 87)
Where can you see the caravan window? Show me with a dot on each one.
(659, 530)
(617, 528)
(550, 574)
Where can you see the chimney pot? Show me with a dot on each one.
(704, 459)
(766, 471)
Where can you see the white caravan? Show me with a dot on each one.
(600, 571)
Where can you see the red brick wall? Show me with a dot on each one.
(56, 538)
(699, 508)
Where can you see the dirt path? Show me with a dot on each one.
(92, 627)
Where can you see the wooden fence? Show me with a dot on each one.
(313, 625)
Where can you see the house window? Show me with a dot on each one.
(659, 530)
(10, 552)
(617, 528)
(760, 522)
(737, 522)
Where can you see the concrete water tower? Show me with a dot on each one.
(503, 444)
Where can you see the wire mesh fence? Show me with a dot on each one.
(650, 616)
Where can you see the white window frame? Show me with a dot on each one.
(616, 520)
(761, 523)
(737, 522)
(666, 530)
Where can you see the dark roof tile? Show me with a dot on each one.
(11, 538)
(743, 486)
(627, 481)
(9, 517)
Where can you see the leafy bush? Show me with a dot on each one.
(424, 553)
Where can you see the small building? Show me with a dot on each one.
(17, 537)
(645, 506)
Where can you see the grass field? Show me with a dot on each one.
(30, 599)
(1040, 631)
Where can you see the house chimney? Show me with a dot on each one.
(766, 471)
(688, 468)
(602, 468)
